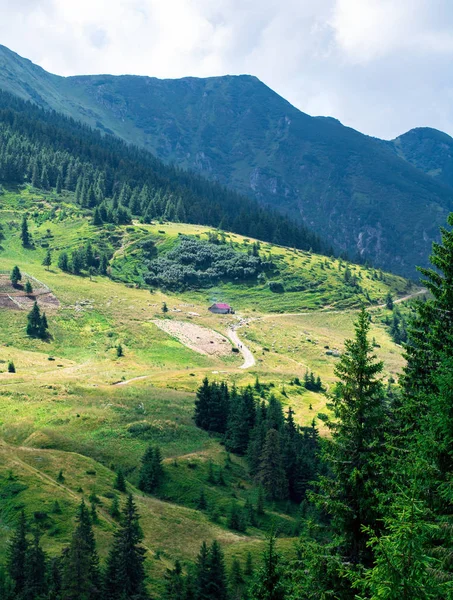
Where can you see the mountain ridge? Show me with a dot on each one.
(360, 192)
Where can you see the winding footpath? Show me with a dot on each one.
(249, 359)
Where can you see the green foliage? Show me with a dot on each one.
(194, 264)
(349, 495)
(269, 580)
(47, 260)
(11, 367)
(112, 178)
(37, 326)
(152, 471)
(24, 233)
(120, 481)
(15, 276)
(125, 574)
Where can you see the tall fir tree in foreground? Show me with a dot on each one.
(125, 573)
(425, 419)
(349, 496)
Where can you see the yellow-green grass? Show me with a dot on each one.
(67, 413)
(29, 480)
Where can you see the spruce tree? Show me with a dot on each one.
(34, 321)
(152, 471)
(115, 508)
(47, 260)
(28, 287)
(15, 276)
(80, 564)
(17, 556)
(36, 585)
(269, 580)
(63, 262)
(202, 404)
(24, 234)
(271, 474)
(355, 453)
(125, 573)
(120, 481)
(217, 583)
(174, 583)
(236, 581)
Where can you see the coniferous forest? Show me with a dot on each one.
(118, 181)
(376, 494)
(373, 497)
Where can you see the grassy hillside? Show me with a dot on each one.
(355, 190)
(63, 408)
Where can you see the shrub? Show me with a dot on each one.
(276, 287)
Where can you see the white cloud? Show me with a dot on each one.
(378, 65)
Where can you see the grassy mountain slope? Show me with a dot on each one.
(351, 188)
(62, 409)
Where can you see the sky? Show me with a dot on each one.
(380, 66)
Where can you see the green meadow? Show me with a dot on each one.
(64, 410)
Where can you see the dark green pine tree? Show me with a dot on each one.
(241, 420)
(34, 321)
(80, 563)
(202, 404)
(236, 581)
(202, 573)
(63, 262)
(269, 580)
(97, 219)
(125, 573)
(15, 276)
(37, 325)
(425, 413)
(43, 327)
(54, 580)
(152, 471)
(217, 583)
(59, 183)
(257, 439)
(218, 409)
(271, 474)
(429, 331)
(356, 451)
(24, 234)
(174, 583)
(16, 558)
(120, 481)
(36, 585)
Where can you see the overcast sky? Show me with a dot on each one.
(380, 66)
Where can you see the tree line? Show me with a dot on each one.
(116, 180)
(282, 456)
(76, 573)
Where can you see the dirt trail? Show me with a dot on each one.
(249, 359)
(131, 380)
(334, 312)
